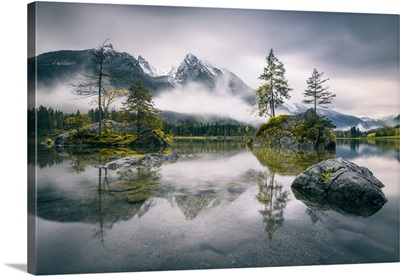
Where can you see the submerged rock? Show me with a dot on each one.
(342, 185)
(125, 161)
(148, 160)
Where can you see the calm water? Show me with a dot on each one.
(220, 206)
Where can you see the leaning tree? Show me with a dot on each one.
(275, 89)
(316, 93)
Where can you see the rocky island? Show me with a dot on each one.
(305, 131)
(115, 135)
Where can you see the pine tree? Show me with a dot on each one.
(316, 93)
(276, 88)
(140, 107)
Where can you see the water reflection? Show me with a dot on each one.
(208, 145)
(100, 200)
(275, 199)
(388, 148)
(125, 197)
(290, 162)
(316, 213)
(381, 144)
(316, 205)
(102, 196)
(202, 207)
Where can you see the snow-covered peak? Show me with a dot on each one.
(295, 108)
(190, 58)
(192, 68)
(148, 68)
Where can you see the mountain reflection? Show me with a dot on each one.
(94, 194)
(193, 202)
(274, 199)
(388, 148)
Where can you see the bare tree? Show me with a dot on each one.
(96, 83)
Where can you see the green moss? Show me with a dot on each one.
(313, 128)
(108, 139)
(326, 175)
(273, 124)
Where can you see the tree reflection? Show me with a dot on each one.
(77, 165)
(315, 214)
(288, 161)
(274, 198)
(100, 232)
(123, 197)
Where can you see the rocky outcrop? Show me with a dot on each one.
(115, 135)
(341, 185)
(305, 131)
(150, 140)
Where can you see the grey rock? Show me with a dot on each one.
(342, 185)
(148, 160)
(129, 160)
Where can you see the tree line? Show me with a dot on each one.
(191, 128)
(52, 122)
(355, 132)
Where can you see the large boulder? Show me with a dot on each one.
(341, 185)
(305, 131)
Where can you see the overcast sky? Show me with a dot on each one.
(358, 52)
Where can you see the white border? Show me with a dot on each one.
(13, 208)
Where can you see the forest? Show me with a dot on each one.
(355, 132)
(51, 123)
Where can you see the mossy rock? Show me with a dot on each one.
(150, 140)
(304, 131)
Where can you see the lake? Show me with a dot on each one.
(219, 206)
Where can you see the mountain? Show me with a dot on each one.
(340, 120)
(148, 69)
(192, 69)
(65, 66)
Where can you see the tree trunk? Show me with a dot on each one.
(272, 99)
(100, 79)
